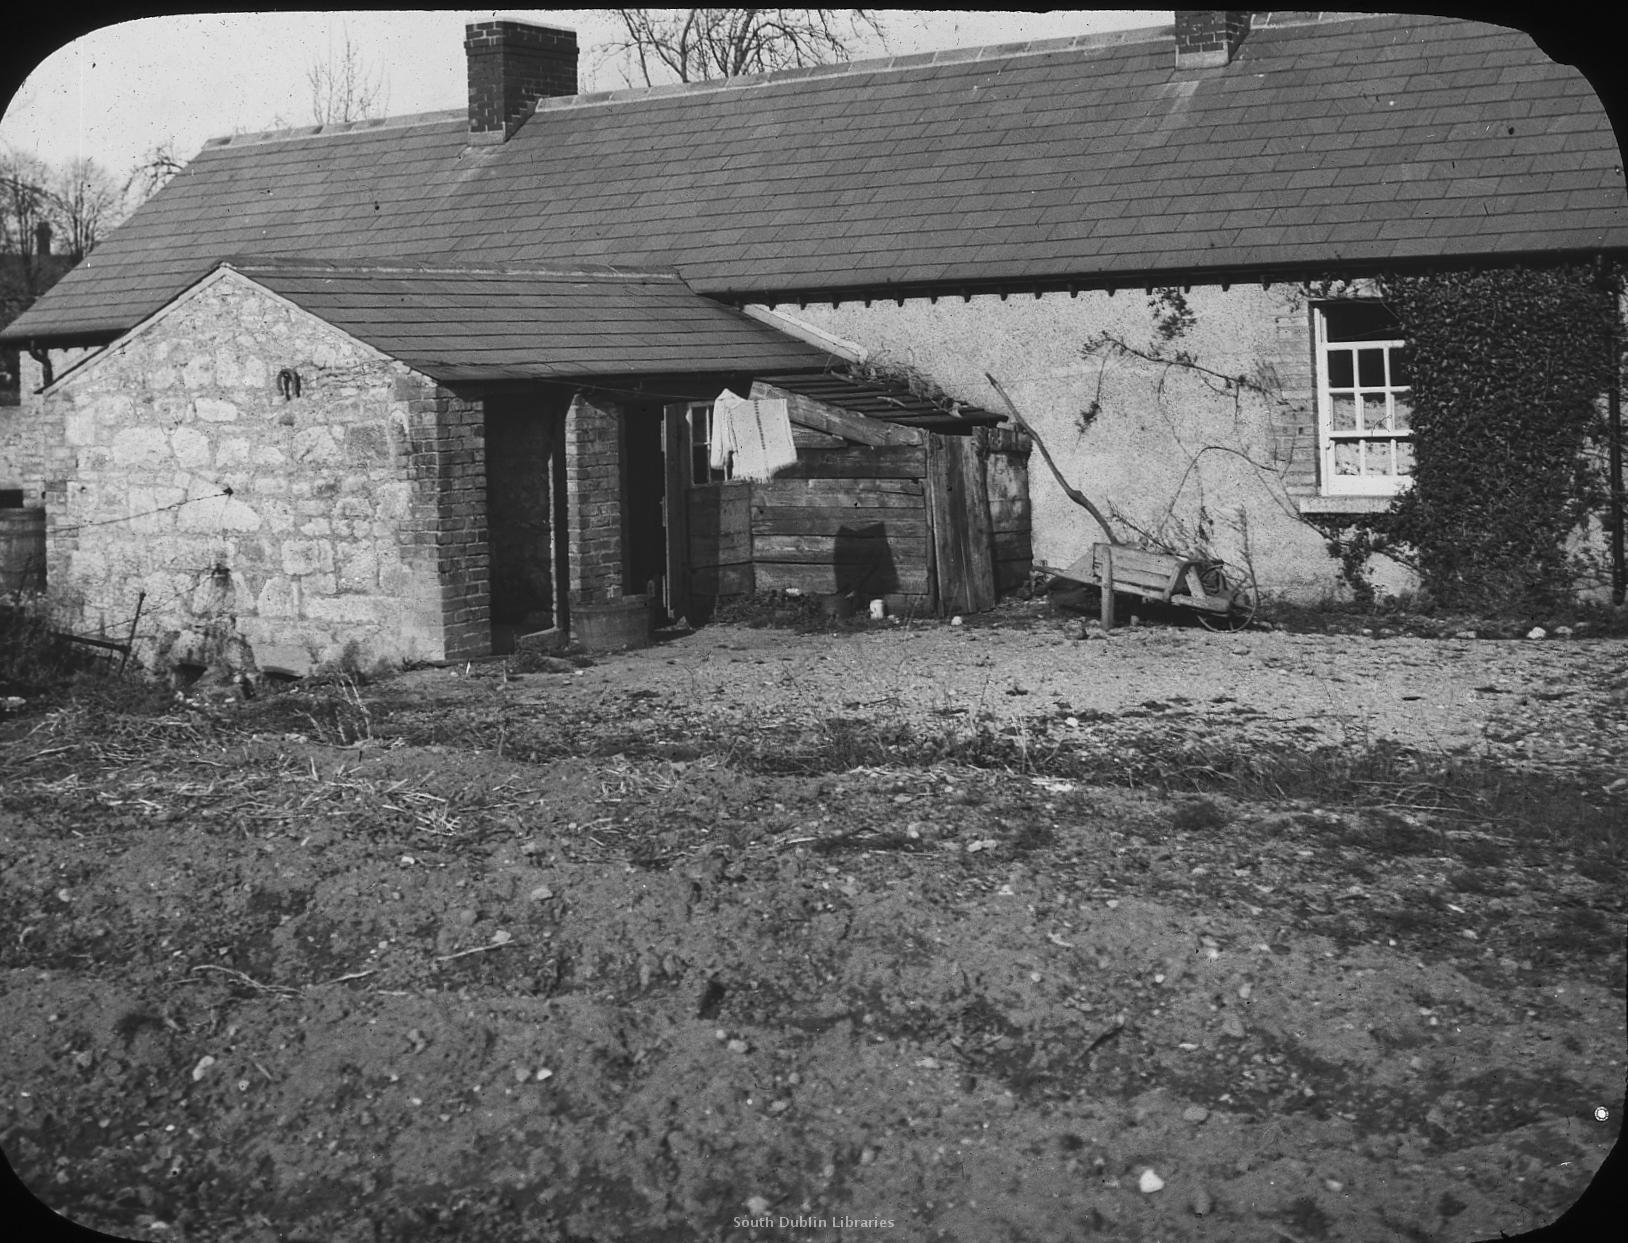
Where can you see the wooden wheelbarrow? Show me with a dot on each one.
(1197, 583)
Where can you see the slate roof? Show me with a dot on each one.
(460, 323)
(1326, 146)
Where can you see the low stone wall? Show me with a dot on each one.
(285, 496)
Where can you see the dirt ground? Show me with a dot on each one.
(917, 931)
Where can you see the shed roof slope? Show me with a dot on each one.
(467, 324)
(1367, 139)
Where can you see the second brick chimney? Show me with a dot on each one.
(511, 66)
(1208, 38)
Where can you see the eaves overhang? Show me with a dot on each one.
(1223, 276)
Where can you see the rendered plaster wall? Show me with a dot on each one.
(1171, 450)
(344, 525)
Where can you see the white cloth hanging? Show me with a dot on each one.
(757, 433)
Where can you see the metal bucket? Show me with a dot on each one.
(614, 626)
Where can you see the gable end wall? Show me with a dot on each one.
(354, 528)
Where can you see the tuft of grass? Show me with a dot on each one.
(34, 659)
(1196, 815)
(1409, 797)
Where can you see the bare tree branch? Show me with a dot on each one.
(692, 45)
(25, 202)
(153, 172)
(87, 203)
(345, 87)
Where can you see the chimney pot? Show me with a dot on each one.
(511, 66)
(1209, 38)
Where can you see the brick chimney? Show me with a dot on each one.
(511, 66)
(1208, 38)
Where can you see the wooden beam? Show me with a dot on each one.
(824, 417)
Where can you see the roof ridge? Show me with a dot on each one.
(338, 127)
(944, 56)
(250, 264)
(878, 64)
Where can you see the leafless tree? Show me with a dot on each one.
(25, 201)
(87, 202)
(153, 172)
(693, 45)
(345, 87)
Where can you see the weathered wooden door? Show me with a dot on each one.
(958, 508)
(1006, 482)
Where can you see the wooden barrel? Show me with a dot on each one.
(615, 625)
(22, 550)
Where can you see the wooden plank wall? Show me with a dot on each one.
(958, 505)
(1006, 476)
(720, 543)
(884, 510)
(846, 519)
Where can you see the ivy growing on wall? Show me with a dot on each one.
(1508, 367)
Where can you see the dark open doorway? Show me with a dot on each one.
(645, 537)
(525, 499)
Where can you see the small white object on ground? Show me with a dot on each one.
(1150, 1182)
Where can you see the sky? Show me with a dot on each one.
(118, 92)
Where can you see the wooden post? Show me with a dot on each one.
(677, 439)
(1107, 586)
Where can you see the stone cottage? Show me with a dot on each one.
(375, 384)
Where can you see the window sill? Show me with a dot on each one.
(1345, 504)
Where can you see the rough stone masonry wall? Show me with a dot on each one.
(593, 483)
(25, 429)
(342, 525)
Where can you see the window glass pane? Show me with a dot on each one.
(1371, 368)
(1376, 457)
(1342, 414)
(700, 443)
(1402, 412)
(1360, 321)
(1374, 417)
(1400, 375)
(1404, 457)
(1339, 369)
(1346, 460)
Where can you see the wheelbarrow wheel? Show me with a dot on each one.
(1242, 603)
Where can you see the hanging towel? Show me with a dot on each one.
(756, 432)
(722, 445)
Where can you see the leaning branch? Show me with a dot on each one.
(1073, 493)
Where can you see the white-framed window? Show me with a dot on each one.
(699, 416)
(1364, 400)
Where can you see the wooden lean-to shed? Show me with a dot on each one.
(890, 498)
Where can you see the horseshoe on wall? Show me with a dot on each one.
(288, 383)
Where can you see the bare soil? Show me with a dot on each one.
(916, 931)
